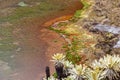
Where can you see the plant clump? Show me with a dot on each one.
(106, 68)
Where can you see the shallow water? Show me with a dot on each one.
(26, 45)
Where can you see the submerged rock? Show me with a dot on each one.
(22, 4)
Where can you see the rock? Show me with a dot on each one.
(111, 29)
(22, 4)
(18, 49)
(116, 51)
(99, 53)
(117, 45)
(3, 66)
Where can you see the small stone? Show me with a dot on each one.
(22, 4)
(12, 56)
(18, 49)
(16, 43)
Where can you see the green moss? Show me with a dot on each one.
(77, 13)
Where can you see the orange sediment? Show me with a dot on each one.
(61, 18)
(65, 14)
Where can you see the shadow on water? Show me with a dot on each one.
(35, 43)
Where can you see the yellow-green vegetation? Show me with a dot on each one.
(82, 12)
(86, 5)
(72, 29)
(81, 40)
